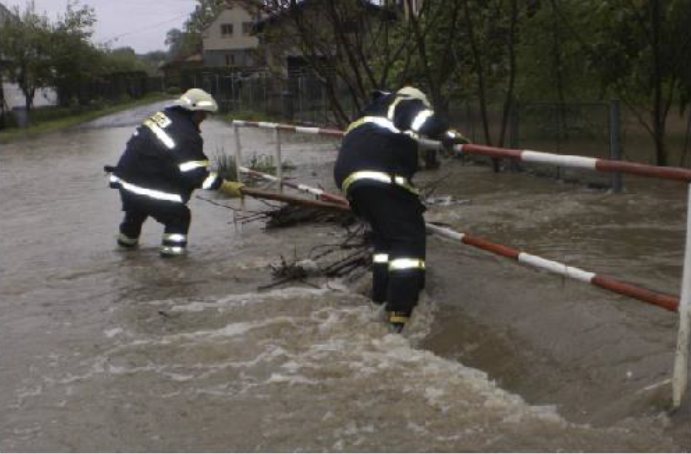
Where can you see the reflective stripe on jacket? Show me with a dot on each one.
(164, 159)
(380, 147)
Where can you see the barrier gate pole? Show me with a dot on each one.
(680, 376)
(238, 173)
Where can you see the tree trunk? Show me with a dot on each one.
(508, 101)
(659, 112)
(28, 98)
(479, 72)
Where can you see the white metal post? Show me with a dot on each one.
(279, 162)
(238, 174)
(680, 377)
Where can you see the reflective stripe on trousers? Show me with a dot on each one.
(405, 263)
(174, 239)
(172, 250)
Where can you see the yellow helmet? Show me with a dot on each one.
(197, 99)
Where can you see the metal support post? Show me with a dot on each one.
(680, 376)
(238, 174)
(279, 162)
(514, 164)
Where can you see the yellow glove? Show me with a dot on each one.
(231, 189)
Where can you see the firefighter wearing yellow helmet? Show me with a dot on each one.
(163, 163)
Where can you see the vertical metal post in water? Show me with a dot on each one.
(680, 377)
(238, 174)
(279, 162)
(615, 142)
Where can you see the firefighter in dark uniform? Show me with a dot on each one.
(163, 163)
(376, 163)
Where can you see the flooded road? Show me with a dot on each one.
(102, 350)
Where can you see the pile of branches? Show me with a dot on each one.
(330, 261)
(291, 215)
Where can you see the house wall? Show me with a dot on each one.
(221, 57)
(236, 45)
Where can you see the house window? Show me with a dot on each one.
(246, 28)
(230, 60)
(226, 29)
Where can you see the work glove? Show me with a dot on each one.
(231, 189)
(452, 138)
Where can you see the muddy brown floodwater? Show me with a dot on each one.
(102, 350)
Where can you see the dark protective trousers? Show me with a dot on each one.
(398, 226)
(176, 217)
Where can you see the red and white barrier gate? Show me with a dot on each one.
(680, 376)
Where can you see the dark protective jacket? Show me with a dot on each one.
(382, 140)
(164, 159)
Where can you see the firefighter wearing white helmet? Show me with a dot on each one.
(196, 99)
(375, 166)
(163, 163)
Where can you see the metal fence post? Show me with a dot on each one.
(680, 376)
(514, 164)
(615, 142)
(238, 174)
(279, 162)
(561, 171)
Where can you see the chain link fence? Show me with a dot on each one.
(300, 98)
(584, 129)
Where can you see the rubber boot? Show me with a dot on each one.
(126, 242)
(397, 320)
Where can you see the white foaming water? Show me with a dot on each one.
(314, 369)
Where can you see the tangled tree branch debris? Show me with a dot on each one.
(324, 260)
(336, 260)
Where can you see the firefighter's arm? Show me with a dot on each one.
(413, 115)
(451, 138)
(214, 182)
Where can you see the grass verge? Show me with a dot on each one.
(70, 119)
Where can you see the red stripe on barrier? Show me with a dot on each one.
(669, 173)
(331, 132)
(293, 200)
(286, 128)
(334, 198)
(668, 302)
(601, 165)
(496, 248)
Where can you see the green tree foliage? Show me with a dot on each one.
(183, 43)
(26, 47)
(60, 55)
(123, 59)
(640, 51)
(152, 61)
(73, 60)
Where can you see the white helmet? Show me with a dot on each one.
(412, 92)
(196, 99)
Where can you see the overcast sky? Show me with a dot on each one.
(140, 24)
